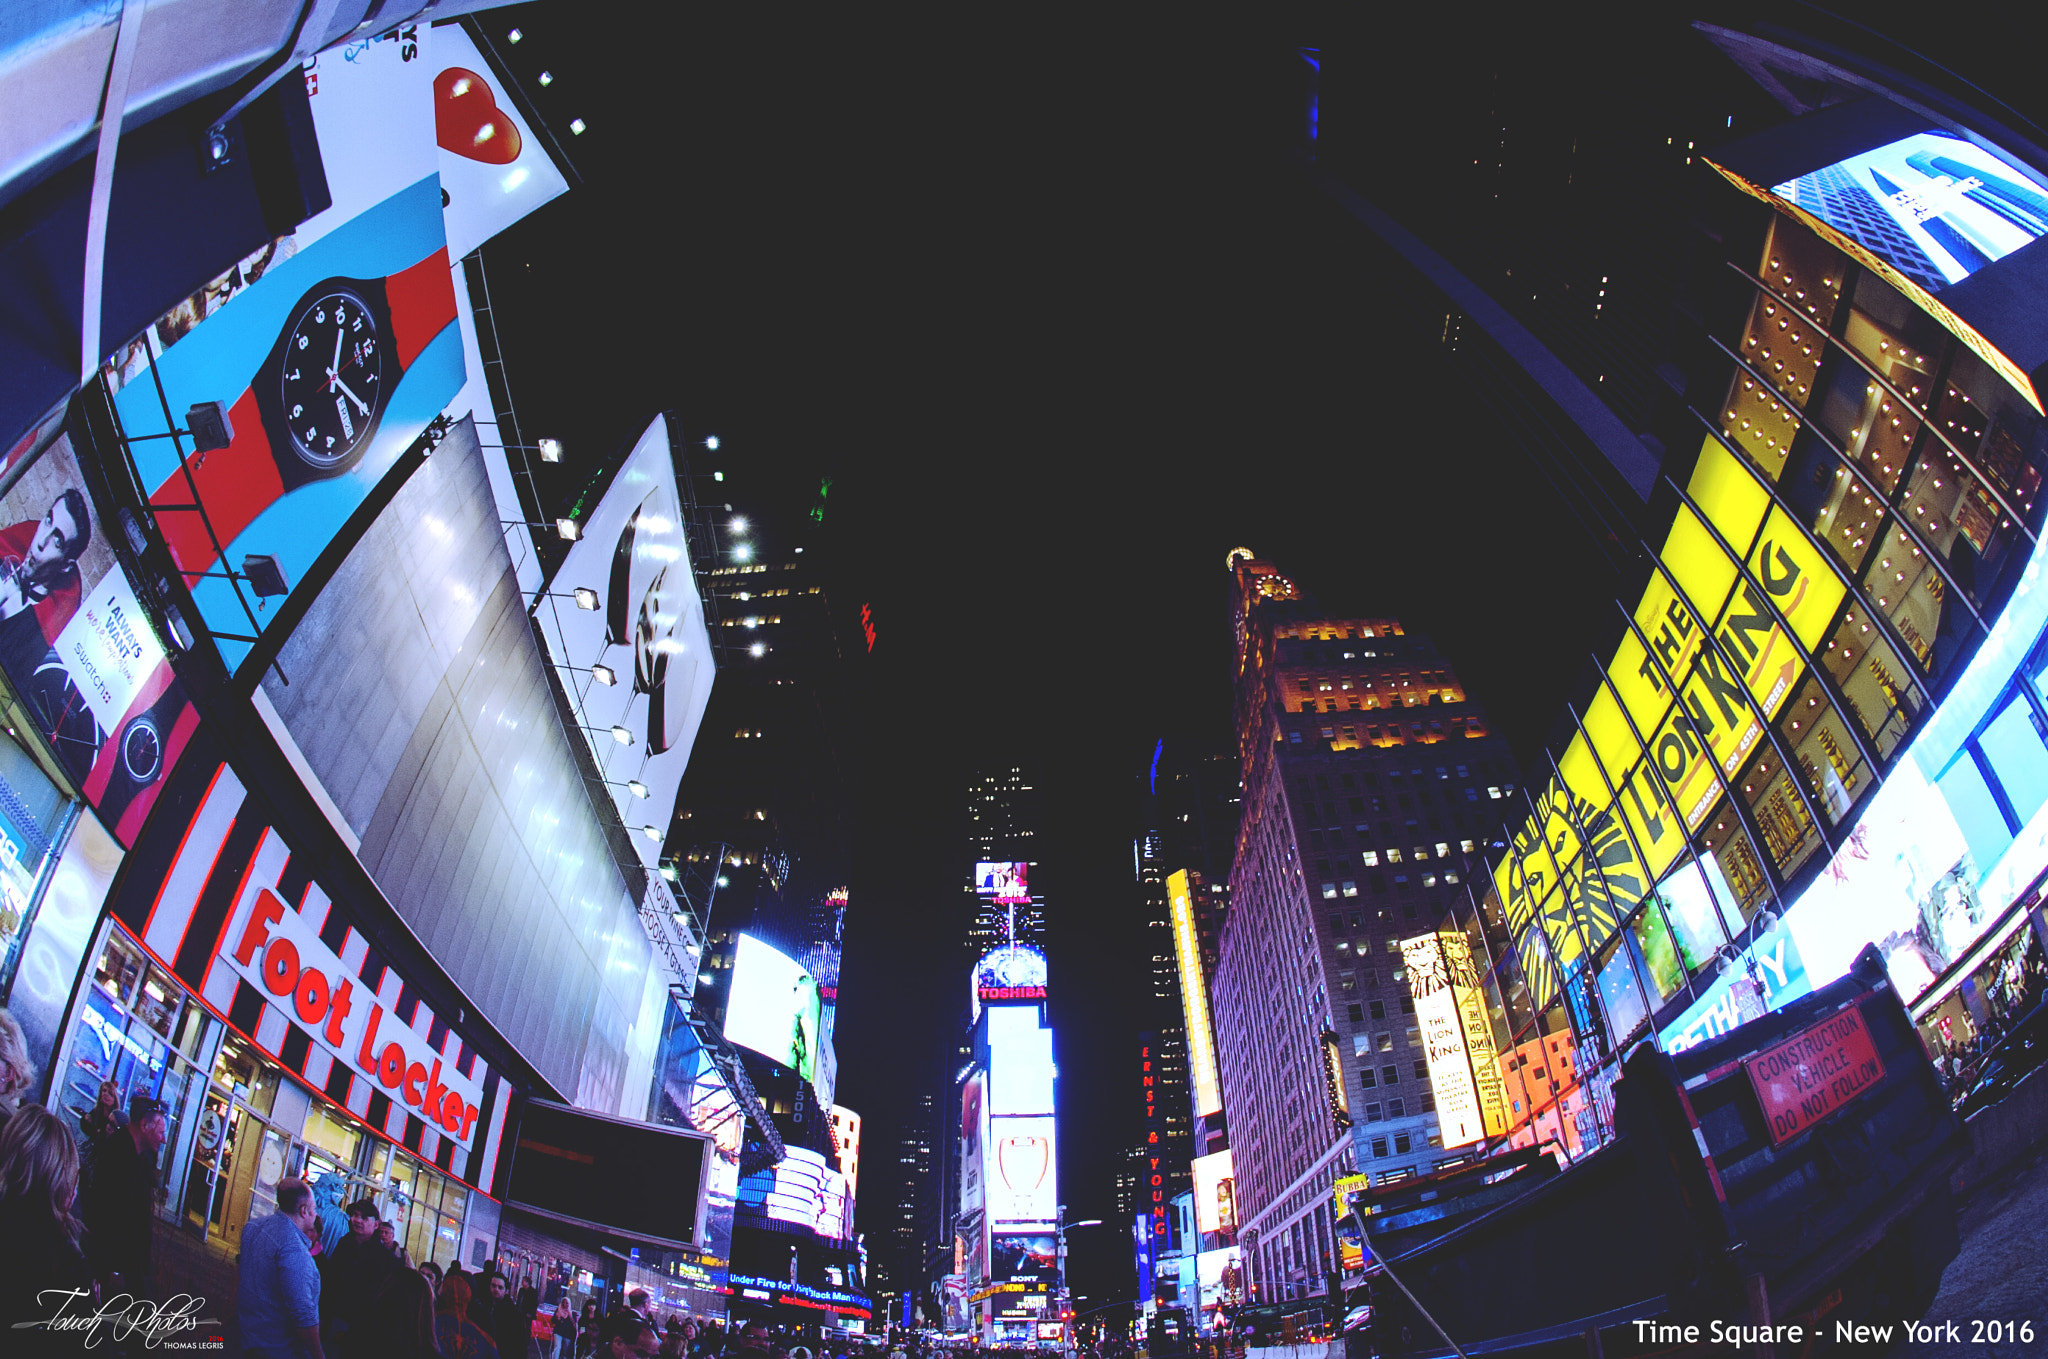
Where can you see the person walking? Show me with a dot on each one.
(121, 1207)
(565, 1330)
(513, 1324)
(458, 1336)
(42, 1268)
(278, 1295)
(350, 1276)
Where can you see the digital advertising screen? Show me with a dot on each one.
(1215, 1194)
(80, 651)
(1935, 207)
(1194, 994)
(773, 1007)
(332, 351)
(1005, 882)
(1024, 1257)
(1023, 1171)
(1012, 972)
(1021, 1075)
(566, 1166)
(639, 663)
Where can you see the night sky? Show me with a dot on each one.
(1051, 310)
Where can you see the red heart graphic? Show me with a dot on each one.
(468, 121)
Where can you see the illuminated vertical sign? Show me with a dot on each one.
(1194, 996)
(1155, 1143)
(1333, 1082)
(1435, 981)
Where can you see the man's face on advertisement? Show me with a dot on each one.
(50, 549)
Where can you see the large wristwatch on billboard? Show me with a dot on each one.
(312, 410)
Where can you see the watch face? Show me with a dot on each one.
(332, 378)
(142, 750)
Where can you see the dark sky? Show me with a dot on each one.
(1046, 303)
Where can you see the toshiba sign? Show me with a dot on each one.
(269, 945)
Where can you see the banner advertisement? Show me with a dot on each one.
(1767, 974)
(79, 649)
(1443, 1039)
(625, 624)
(331, 362)
(1012, 972)
(1032, 1258)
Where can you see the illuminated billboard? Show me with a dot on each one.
(1194, 995)
(1935, 207)
(1020, 1076)
(1012, 972)
(79, 649)
(773, 1007)
(493, 169)
(626, 628)
(1599, 838)
(331, 362)
(1215, 1194)
(1443, 1037)
(802, 1190)
(1022, 1257)
(974, 1170)
(1219, 1275)
(1005, 882)
(1022, 1171)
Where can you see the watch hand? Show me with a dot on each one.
(335, 366)
(361, 404)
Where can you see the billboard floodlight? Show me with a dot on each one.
(604, 675)
(586, 598)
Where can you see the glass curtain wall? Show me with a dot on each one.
(1857, 516)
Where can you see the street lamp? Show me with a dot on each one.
(1062, 1300)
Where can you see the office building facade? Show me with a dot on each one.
(1370, 784)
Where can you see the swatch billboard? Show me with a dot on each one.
(626, 626)
(79, 649)
(331, 351)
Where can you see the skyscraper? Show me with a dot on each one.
(1370, 782)
(1003, 829)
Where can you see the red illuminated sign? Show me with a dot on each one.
(867, 625)
(1155, 1174)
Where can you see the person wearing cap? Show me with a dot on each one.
(123, 1199)
(349, 1278)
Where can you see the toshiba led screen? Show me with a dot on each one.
(1020, 1079)
(774, 1007)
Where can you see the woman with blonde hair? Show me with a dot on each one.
(17, 1072)
(40, 1259)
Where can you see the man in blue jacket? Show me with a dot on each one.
(279, 1296)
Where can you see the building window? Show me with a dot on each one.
(1379, 1147)
(1396, 1109)
(1385, 1041)
(1428, 1105)
(1390, 1075)
(1329, 891)
(1370, 857)
(1422, 1070)
(1372, 1113)
(1366, 1078)
(1350, 889)
(1401, 1144)
(1492, 791)
(1356, 1014)
(1347, 981)
(1379, 1009)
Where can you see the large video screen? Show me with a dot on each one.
(1020, 1079)
(640, 662)
(1005, 882)
(1024, 1258)
(79, 649)
(1935, 207)
(774, 1007)
(1023, 1171)
(642, 1180)
(1215, 1194)
(333, 348)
